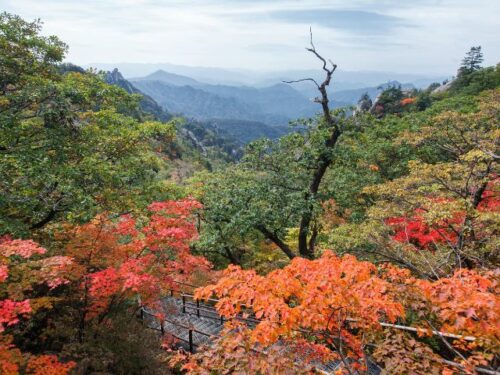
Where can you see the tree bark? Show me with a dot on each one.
(233, 258)
(324, 160)
(275, 239)
(47, 219)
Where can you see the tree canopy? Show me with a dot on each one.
(364, 238)
(68, 145)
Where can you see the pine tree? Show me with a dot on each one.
(472, 61)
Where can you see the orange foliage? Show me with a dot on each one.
(407, 101)
(125, 258)
(467, 303)
(320, 295)
(107, 262)
(340, 301)
(48, 365)
(233, 353)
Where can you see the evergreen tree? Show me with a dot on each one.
(472, 61)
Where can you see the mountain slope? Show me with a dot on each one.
(208, 102)
(148, 104)
(226, 135)
(168, 78)
(247, 131)
(274, 105)
(279, 99)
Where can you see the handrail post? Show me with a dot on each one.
(191, 349)
(198, 308)
(183, 304)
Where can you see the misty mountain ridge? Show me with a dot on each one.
(242, 112)
(342, 79)
(169, 78)
(147, 104)
(274, 105)
(221, 132)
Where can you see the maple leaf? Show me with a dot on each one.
(48, 365)
(22, 248)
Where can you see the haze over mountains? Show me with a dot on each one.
(245, 104)
(273, 105)
(343, 79)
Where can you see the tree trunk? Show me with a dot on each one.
(325, 158)
(276, 240)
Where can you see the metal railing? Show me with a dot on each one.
(190, 330)
(195, 305)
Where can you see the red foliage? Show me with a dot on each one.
(11, 310)
(418, 233)
(124, 259)
(22, 248)
(50, 271)
(110, 261)
(490, 199)
(4, 273)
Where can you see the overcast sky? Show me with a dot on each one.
(421, 36)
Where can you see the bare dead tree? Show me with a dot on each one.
(325, 158)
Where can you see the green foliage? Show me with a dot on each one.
(68, 149)
(455, 189)
(390, 100)
(424, 100)
(25, 54)
(472, 83)
(472, 61)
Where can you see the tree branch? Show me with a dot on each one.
(303, 80)
(274, 238)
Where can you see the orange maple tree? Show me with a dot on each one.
(336, 300)
(139, 258)
(334, 305)
(109, 265)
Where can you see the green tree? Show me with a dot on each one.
(389, 101)
(69, 147)
(472, 61)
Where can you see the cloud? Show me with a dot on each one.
(353, 21)
(420, 36)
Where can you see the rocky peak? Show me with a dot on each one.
(114, 76)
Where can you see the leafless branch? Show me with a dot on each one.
(302, 80)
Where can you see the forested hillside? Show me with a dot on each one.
(363, 238)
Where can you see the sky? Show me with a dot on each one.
(418, 36)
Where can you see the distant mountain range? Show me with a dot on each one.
(245, 106)
(148, 104)
(274, 105)
(225, 131)
(342, 80)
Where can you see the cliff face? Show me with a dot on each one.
(148, 104)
